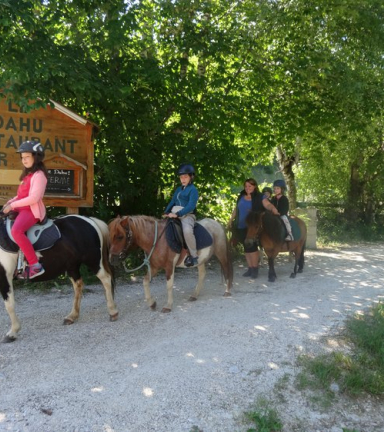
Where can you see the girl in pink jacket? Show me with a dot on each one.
(29, 203)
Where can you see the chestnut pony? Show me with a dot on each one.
(268, 230)
(148, 234)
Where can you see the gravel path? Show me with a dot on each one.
(196, 369)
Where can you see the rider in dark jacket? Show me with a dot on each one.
(183, 205)
(281, 202)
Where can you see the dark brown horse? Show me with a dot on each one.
(269, 230)
(148, 233)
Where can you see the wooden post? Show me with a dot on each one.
(72, 210)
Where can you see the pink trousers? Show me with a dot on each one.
(23, 222)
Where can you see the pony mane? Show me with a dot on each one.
(272, 226)
(141, 222)
(253, 218)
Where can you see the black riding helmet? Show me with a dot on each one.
(186, 169)
(33, 147)
(280, 183)
(267, 189)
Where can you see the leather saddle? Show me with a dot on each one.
(175, 237)
(42, 235)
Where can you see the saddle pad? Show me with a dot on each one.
(203, 238)
(41, 238)
(47, 238)
(295, 229)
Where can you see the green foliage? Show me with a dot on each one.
(361, 369)
(264, 418)
(334, 227)
(218, 84)
(367, 332)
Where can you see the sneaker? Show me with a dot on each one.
(32, 272)
(289, 238)
(248, 272)
(35, 271)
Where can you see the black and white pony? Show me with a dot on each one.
(82, 240)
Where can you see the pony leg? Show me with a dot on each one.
(301, 260)
(168, 307)
(75, 312)
(7, 292)
(147, 292)
(271, 272)
(106, 280)
(200, 282)
(293, 275)
(15, 323)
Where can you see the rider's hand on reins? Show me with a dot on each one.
(6, 209)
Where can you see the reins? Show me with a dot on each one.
(146, 258)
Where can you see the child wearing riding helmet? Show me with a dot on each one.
(183, 206)
(281, 202)
(28, 203)
(267, 191)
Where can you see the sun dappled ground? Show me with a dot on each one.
(203, 365)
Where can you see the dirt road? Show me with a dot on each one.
(197, 368)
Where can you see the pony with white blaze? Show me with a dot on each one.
(82, 240)
(150, 235)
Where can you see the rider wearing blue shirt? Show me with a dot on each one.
(183, 206)
(186, 197)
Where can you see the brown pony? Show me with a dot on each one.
(148, 233)
(268, 229)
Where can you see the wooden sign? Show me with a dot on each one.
(61, 182)
(69, 152)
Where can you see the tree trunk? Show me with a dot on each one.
(354, 201)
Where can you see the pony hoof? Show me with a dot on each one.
(293, 275)
(114, 317)
(68, 321)
(227, 294)
(165, 310)
(192, 298)
(153, 306)
(9, 339)
(300, 271)
(271, 279)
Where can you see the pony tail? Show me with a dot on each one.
(105, 251)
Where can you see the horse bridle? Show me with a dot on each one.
(128, 241)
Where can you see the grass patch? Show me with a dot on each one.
(264, 418)
(361, 370)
